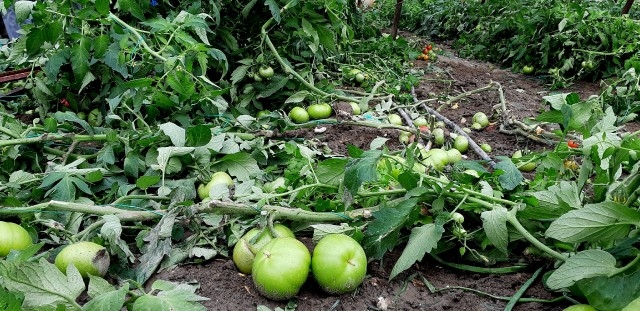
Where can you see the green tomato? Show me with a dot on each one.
(356, 108)
(280, 268)
(457, 217)
(81, 115)
(438, 136)
(454, 155)
(420, 122)
(437, 158)
(94, 118)
(87, 257)
(266, 72)
(299, 115)
(403, 137)
(244, 252)
(582, 308)
(461, 143)
(527, 70)
(319, 111)
(339, 264)
(476, 126)
(216, 179)
(13, 237)
(481, 118)
(524, 167)
(360, 77)
(395, 119)
(587, 64)
(486, 147)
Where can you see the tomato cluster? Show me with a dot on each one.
(427, 53)
(279, 263)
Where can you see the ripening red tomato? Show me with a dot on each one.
(572, 144)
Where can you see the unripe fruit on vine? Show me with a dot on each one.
(13, 237)
(420, 122)
(216, 179)
(356, 108)
(87, 257)
(299, 115)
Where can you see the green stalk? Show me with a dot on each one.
(8, 132)
(51, 137)
(511, 218)
(627, 267)
(136, 33)
(286, 67)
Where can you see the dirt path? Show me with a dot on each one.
(230, 290)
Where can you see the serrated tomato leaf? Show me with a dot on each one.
(583, 265)
(360, 170)
(610, 293)
(421, 241)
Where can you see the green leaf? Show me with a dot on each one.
(198, 135)
(171, 296)
(111, 231)
(53, 31)
(360, 170)
(421, 241)
(80, 58)
(145, 182)
(35, 40)
(113, 59)
(41, 283)
(605, 221)
(56, 60)
(297, 97)
(383, 232)
(276, 84)
(494, 223)
(10, 301)
(157, 245)
(511, 178)
(331, 171)
(102, 6)
(181, 84)
(610, 293)
(176, 133)
(23, 10)
(108, 300)
(64, 190)
(241, 165)
(274, 8)
(583, 265)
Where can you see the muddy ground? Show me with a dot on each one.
(230, 290)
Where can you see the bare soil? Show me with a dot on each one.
(228, 289)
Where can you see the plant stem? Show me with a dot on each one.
(315, 185)
(511, 218)
(8, 132)
(50, 137)
(290, 70)
(136, 33)
(123, 215)
(627, 267)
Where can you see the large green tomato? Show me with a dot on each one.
(338, 264)
(481, 118)
(244, 251)
(216, 179)
(454, 155)
(582, 308)
(13, 236)
(299, 115)
(280, 268)
(461, 143)
(88, 257)
(319, 111)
